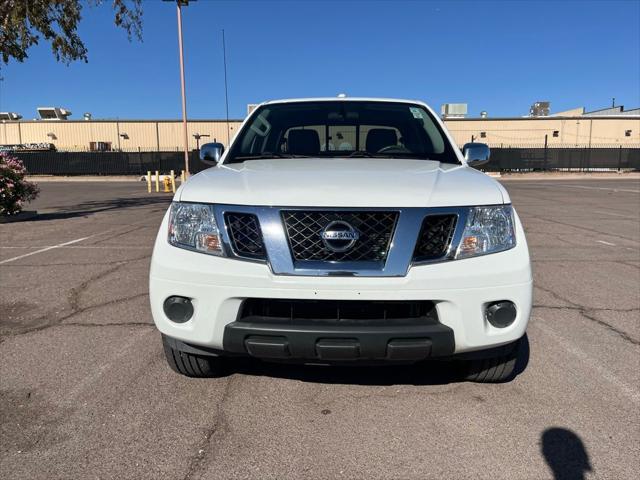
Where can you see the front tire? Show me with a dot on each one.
(191, 365)
(499, 367)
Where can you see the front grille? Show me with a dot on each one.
(435, 236)
(342, 312)
(245, 234)
(304, 229)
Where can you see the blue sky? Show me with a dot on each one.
(495, 56)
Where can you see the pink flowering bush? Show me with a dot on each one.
(15, 191)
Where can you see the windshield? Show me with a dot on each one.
(341, 129)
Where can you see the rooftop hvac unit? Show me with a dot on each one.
(540, 109)
(454, 110)
(53, 113)
(10, 116)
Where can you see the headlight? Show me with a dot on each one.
(193, 226)
(488, 230)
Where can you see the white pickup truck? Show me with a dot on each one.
(342, 230)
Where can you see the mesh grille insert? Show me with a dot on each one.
(245, 234)
(332, 312)
(435, 237)
(304, 232)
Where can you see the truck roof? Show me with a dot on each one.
(342, 99)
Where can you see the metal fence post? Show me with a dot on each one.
(620, 158)
(544, 163)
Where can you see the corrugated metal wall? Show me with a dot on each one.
(125, 135)
(167, 135)
(571, 132)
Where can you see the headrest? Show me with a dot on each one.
(378, 138)
(303, 142)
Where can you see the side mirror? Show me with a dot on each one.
(476, 154)
(210, 153)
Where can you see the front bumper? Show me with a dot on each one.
(304, 342)
(460, 290)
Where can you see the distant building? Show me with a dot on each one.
(607, 127)
(612, 111)
(574, 112)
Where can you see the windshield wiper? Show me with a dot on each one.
(269, 155)
(363, 153)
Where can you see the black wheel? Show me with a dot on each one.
(191, 365)
(500, 366)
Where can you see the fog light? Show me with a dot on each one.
(500, 314)
(178, 309)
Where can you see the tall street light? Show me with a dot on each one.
(179, 5)
(198, 136)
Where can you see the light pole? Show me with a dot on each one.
(179, 5)
(198, 136)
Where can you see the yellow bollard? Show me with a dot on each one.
(149, 181)
(173, 182)
(182, 177)
(157, 181)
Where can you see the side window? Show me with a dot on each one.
(436, 139)
(255, 139)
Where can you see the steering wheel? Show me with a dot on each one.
(392, 148)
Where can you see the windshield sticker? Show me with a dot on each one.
(417, 113)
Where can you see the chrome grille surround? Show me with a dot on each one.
(399, 258)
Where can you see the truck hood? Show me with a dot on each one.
(343, 182)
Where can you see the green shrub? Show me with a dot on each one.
(15, 191)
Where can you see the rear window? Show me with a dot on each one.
(342, 129)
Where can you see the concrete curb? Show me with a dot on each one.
(84, 178)
(571, 176)
(502, 176)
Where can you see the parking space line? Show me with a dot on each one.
(46, 249)
(631, 392)
(610, 213)
(102, 246)
(627, 190)
(606, 243)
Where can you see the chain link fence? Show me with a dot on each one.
(563, 159)
(106, 163)
(516, 159)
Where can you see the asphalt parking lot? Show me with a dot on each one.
(85, 391)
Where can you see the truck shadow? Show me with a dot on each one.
(425, 373)
(431, 372)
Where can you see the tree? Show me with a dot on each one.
(24, 22)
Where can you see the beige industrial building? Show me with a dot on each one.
(559, 131)
(166, 135)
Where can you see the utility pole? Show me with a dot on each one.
(184, 95)
(179, 5)
(226, 94)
